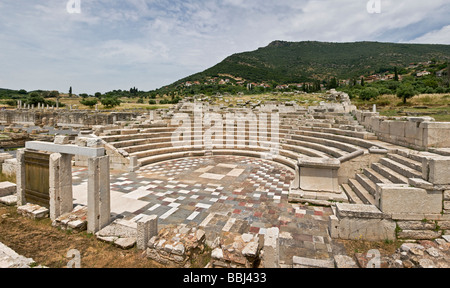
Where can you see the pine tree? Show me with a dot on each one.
(362, 81)
(448, 74)
(396, 74)
(70, 92)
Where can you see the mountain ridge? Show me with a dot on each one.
(295, 62)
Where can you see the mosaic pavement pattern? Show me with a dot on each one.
(221, 194)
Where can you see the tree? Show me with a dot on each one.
(70, 91)
(110, 102)
(89, 102)
(396, 74)
(362, 81)
(54, 94)
(369, 93)
(406, 91)
(333, 83)
(98, 94)
(35, 98)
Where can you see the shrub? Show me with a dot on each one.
(89, 102)
(369, 93)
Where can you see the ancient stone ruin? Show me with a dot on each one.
(271, 185)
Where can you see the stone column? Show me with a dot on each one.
(147, 227)
(61, 194)
(20, 177)
(271, 248)
(99, 206)
(134, 164)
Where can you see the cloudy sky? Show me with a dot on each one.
(151, 43)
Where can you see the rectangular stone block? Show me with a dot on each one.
(439, 170)
(416, 225)
(271, 248)
(147, 227)
(65, 149)
(7, 188)
(368, 229)
(436, 134)
(99, 206)
(319, 174)
(397, 129)
(400, 198)
(302, 262)
(419, 234)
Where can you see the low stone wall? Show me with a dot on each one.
(62, 117)
(237, 251)
(415, 132)
(176, 246)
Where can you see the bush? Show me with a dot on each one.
(369, 93)
(89, 102)
(152, 102)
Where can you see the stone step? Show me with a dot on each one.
(400, 168)
(302, 142)
(352, 197)
(416, 165)
(366, 183)
(361, 192)
(304, 150)
(327, 142)
(390, 174)
(376, 177)
(344, 139)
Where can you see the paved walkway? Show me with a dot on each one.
(221, 194)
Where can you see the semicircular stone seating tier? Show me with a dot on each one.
(295, 136)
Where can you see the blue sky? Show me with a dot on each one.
(151, 43)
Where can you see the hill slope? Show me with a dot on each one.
(295, 62)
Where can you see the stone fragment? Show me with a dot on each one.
(125, 243)
(343, 261)
(217, 254)
(302, 262)
(433, 252)
(426, 263)
(251, 250)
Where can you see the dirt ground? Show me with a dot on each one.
(48, 246)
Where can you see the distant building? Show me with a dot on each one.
(423, 73)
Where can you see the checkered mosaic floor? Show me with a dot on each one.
(221, 194)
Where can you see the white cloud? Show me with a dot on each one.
(151, 43)
(441, 36)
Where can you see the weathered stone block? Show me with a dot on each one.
(302, 262)
(416, 225)
(419, 234)
(439, 170)
(7, 188)
(343, 261)
(271, 248)
(319, 174)
(400, 198)
(366, 229)
(147, 227)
